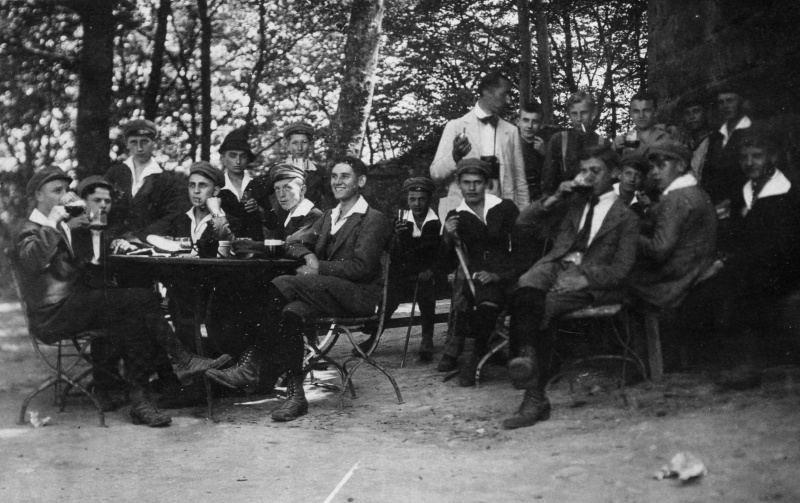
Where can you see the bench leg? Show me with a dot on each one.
(655, 359)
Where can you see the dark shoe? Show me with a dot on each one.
(144, 412)
(296, 404)
(535, 407)
(466, 378)
(243, 374)
(174, 395)
(447, 364)
(426, 348)
(188, 364)
(365, 346)
(523, 368)
(107, 402)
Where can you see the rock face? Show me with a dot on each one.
(698, 45)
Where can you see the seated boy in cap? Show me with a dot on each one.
(483, 224)
(288, 182)
(60, 302)
(341, 277)
(149, 197)
(299, 138)
(244, 198)
(415, 262)
(589, 264)
(678, 243)
(633, 171)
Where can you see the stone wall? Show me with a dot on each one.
(698, 45)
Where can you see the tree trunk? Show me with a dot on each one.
(525, 56)
(205, 80)
(360, 63)
(543, 56)
(95, 73)
(157, 61)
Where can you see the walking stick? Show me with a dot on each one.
(463, 262)
(410, 323)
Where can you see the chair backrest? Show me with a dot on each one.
(13, 261)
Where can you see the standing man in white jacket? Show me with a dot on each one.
(483, 134)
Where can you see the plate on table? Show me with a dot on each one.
(164, 245)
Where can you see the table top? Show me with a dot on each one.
(226, 263)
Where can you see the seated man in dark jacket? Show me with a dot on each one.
(482, 227)
(61, 302)
(341, 277)
(414, 262)
(589, 264)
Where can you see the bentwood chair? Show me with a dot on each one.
(68, 360)
(338, 325)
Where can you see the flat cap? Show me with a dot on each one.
(420, 183)
(670, 148)
(283, 171)
(207, 170)
(298, 128)
(237, 140)
(474, 166)
(93, 181)
(139, 127)
(635, 161)
(43, 176)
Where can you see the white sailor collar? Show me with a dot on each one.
(246, 179)
(743, 123)
(777, 185)
(40, 218)
(417, 231)
(301, 210)
(490, 201)
(682, 182)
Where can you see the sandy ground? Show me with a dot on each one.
(444, 444)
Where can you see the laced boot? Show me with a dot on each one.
(522, 369)
(296, 404)
(243, 374)
(144, 412)
(535, 407)
(189, 364)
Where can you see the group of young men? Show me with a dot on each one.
(533, 227)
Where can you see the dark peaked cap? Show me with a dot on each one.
(207, 170)
(43, 176)
(420, 183)
(283, 171)
(139, 127)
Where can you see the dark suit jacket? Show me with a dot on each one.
(610, 256)
(354, 253)
(161, 198)
(722, 176)
(555, 169)
(678, 249)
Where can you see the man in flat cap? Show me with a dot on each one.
(299, 137)
(415, 263)
(482, 134)
(288, 182)
(244, 198)
(61, 302)
(589, 264)
(149, 197)
(679, 242)
(483, 227)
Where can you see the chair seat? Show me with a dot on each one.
(593, 312)
(346, 321)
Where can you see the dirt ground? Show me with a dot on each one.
(443, 444)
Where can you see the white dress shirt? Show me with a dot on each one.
(337, 223)
(487, 131)
(229, 184)
(151, 168)
(743, 123)
(600, 211)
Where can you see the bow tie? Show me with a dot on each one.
(490, 119)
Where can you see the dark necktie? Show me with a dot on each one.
(582, 240)
(756, 191)
(490, 119)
